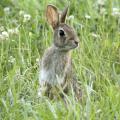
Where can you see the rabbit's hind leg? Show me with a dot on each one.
(77, 89)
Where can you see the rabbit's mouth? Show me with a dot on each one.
(67, 48)
(75, 46)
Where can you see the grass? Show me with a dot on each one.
(96, 61)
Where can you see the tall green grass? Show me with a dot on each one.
(96, 61)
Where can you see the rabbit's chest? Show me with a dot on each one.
(54, 72)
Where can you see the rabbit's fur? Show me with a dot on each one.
(56, 69)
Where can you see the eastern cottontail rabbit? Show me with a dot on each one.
(56, 69)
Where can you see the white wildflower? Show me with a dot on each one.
(26, 18)
(7, 10)
(100, 5)
(116, 12)
(13, 31)
(5, 34)
(87, 16)
(101, 2)
(11, 59)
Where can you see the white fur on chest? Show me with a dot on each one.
(49, 76)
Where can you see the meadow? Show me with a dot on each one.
(24, 36)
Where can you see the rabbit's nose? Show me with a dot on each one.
(76, 42)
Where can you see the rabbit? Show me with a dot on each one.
(56, 65)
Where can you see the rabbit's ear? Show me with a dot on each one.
(52, 16)
(63, 15)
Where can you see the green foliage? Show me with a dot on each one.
(25, 34)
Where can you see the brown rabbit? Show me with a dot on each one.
(56, 69)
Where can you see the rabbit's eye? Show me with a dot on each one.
(61, 33)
